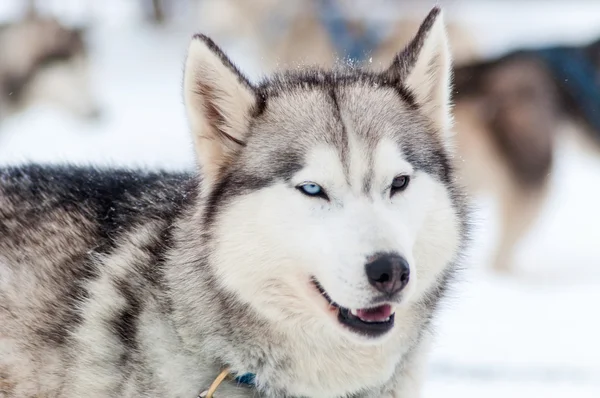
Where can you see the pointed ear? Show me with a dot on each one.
(219, 101)
(424, 68)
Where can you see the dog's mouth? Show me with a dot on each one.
(371, 322)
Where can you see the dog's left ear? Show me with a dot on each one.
(424, 68)
(219, 101)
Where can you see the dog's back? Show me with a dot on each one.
(54, 223)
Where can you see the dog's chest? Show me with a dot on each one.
(335, 368)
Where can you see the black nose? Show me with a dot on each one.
(388, 273)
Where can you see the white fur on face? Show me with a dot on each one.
(288, 237)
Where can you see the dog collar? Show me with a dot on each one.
(245, 379)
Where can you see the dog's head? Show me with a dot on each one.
(329, 196)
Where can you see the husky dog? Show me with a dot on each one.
(310, 251)
(509, 112)
(43, 61)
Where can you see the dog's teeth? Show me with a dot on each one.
(354, 312)
(389, 318)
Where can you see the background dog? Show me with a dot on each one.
(43, 61)
(510, 112)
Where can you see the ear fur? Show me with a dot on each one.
(219, 101)
(425, 69)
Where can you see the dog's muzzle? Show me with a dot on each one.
(371, 322)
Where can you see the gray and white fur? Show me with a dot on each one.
(147, 284)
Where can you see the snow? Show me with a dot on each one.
(532, 333)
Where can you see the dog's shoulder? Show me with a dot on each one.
(69, 235)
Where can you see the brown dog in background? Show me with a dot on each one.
(42, 60)
(509, 112)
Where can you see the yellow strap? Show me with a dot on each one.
(215, 384)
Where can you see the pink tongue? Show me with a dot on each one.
(377, 314)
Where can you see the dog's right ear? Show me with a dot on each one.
(424, 68)
(218, 101)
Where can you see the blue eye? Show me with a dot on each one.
(312, 189)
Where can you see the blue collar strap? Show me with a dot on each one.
(246, 379)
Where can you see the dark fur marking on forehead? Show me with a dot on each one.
(342, 145)
(329, 82)
(319, 79)
(368, 181)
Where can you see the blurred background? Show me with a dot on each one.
(99, 82)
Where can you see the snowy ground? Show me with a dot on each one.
(531, 334)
